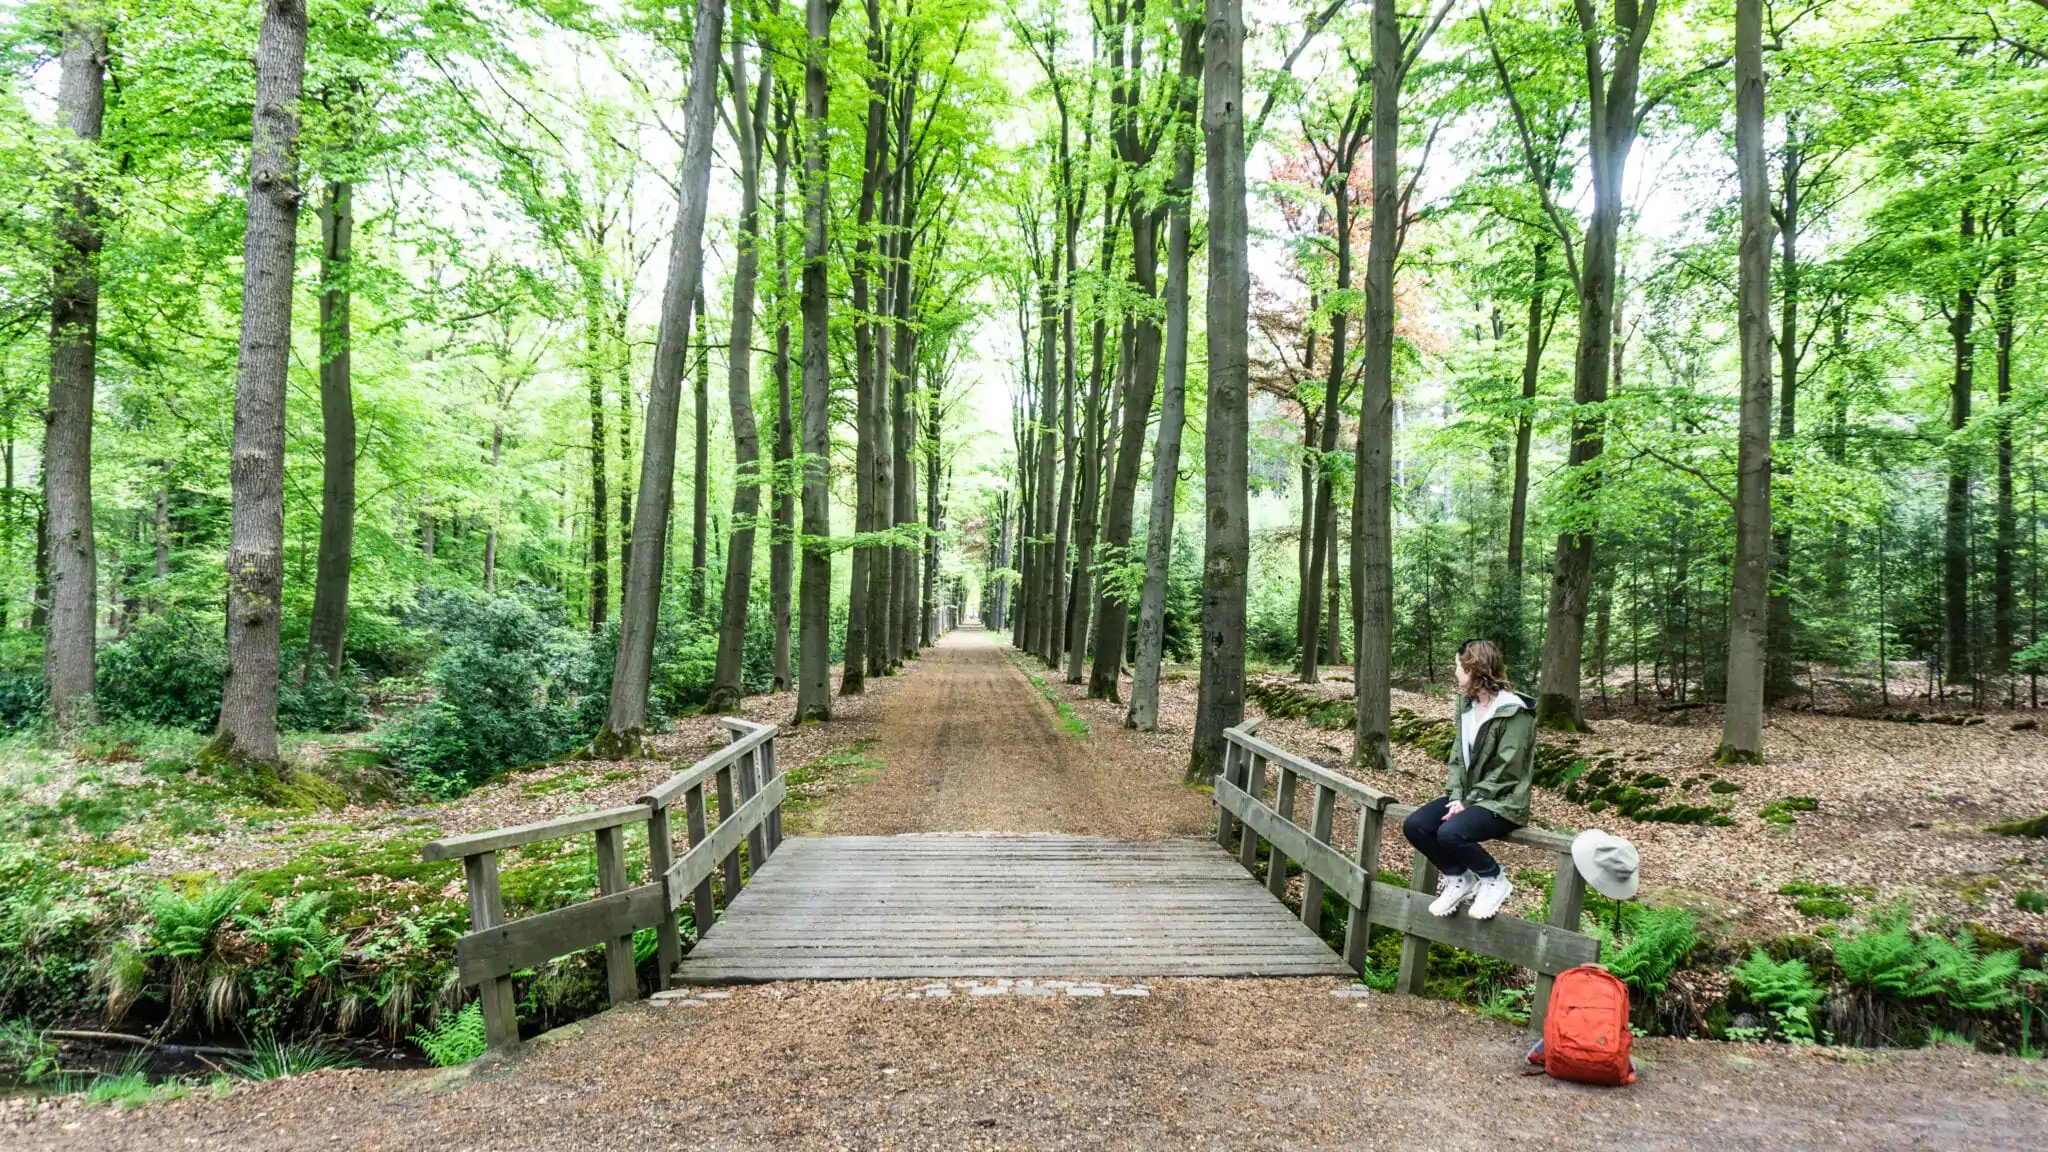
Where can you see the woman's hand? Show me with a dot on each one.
(1453, 809)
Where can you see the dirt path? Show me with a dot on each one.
(969, 745)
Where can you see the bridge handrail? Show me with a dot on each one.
(750, 794)
(1241, 791)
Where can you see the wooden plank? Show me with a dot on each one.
(1358, 929)
(503, 949)
(487, 911)
(1231, 754)
(1343, 877)
(660, 855)
(502, 838)
(699, 773)
(1567, 903)
(748, 774)
(771, 768)
(1321, 817)
(1540, 947)
(706, 856)
(727, 806)
(1364, 795)
(1414, 945)
(621, 982)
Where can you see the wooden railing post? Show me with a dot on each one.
(1276, 860)
(661, 853)
(1358, 930)
(770, 769)
(1255, 787)
(1567, 903)
(727, 805)
(1320, 819)
(1232, 755)
(1415, 949)
(618, 951)
(487, 910)
(703, 908)
(750, 786)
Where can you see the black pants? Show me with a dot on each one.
(1453, 845)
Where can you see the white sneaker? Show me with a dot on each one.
(1457, 889)
(1492, 893)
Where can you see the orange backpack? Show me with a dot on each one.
(1585, 1034)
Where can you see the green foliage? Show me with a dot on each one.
(181, 926)
(1890, 958)
(1785, 990)
(2031, 900)
(1652, 946)
(457, 1038)
(26, 1053)
(1783, 811)
(502, 697)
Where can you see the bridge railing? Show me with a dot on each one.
(750, 790)
(1256, 800)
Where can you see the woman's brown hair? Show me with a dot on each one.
(1482, 661)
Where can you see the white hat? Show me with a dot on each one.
(1607, 862)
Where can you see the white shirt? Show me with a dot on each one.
(1468, 724)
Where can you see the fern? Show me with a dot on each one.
(1785, 990)
(457, 1039)
(1659, 940)
(300, 930)
(182, 927)
(1961, 979)
(1883, 957)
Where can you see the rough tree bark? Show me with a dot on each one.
(327, 630)
(73, 572)
(1956, 530)
(700, 463)
(1226, 546)
(866, 606)
(1742, 728)
(626, 716)
(1144, 711)
(781, 544)
(255, 561)
(748, 127)
(1780, 671)
(596, 341)
(814, 597)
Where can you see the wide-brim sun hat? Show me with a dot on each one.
(1607, 862)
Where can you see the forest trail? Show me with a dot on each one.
(968, 744)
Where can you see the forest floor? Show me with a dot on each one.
(1244, 1063)
(1900, 809)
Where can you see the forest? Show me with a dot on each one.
(400, 394)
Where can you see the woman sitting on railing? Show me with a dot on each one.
(1487, 796)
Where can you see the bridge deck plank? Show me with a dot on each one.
(976, 906)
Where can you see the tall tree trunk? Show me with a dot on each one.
(903, 427)
(596, 353)
(747, 125)
(622, 364)
(1343, 155)
(928, 633)
(700, 464)
(626, 715)
(1742, 730)
(2007, 527)
(1372, 544)
(814, 606)
(1144, 711)
(1956, 531)
(73, 564)
(1525, 423)
(1112, 610)
(327, 631)
(783, 539)
(1613, 86)
(1780, 669)
(865, 606)
(1045, 563)
(1226, 546)
(1085, 523)
(491, 532)
(255, 562)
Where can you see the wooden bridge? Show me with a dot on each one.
(928, 906)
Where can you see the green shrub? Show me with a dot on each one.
(495, 707)
(273, 1059)
(168, 670)
(1655, 942)
(1785, 990)
(1724, 787)
(1822, 907)
(1782, 811)
(457, 1039)
(2031, 900)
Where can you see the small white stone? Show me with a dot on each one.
(1004, 982)
(989, 990)
(1131, 992)
(936, 990)
(714, 995)
(909, 996)
(1351, 992)
(1029, 991)
(671, 994)
(1085, 991)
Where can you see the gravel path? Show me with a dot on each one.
(967, 744)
